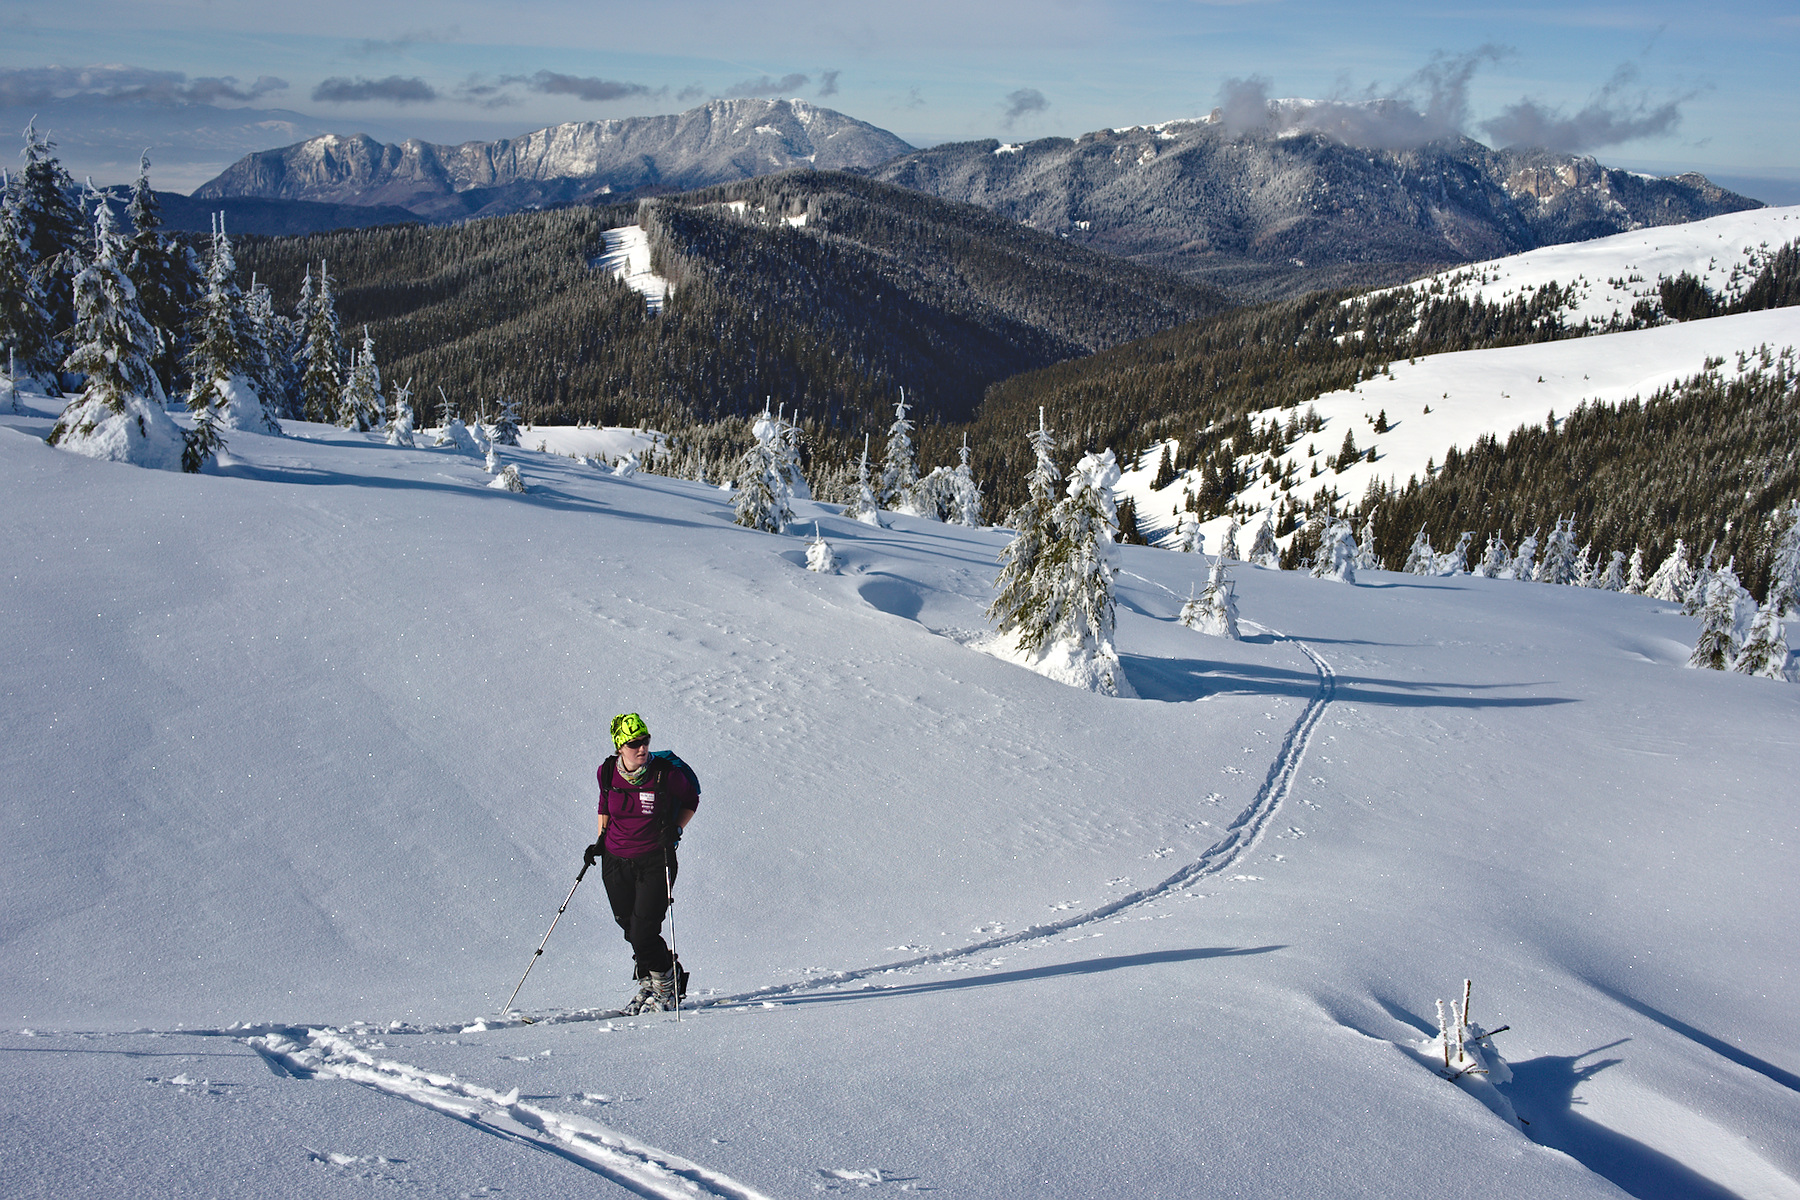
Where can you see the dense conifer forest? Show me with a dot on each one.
(1704, 461)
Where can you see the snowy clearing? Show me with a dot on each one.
(300, 764)
(627, 256)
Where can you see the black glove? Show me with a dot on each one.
(597, 850)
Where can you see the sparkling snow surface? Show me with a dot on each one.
(299, 764)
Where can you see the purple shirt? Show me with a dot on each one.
(638, 815)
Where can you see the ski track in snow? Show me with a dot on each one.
(1241, 837)
(632, 1164)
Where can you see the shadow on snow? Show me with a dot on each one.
(1091, 966)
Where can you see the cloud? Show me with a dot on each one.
(1428, 106)
(126, 85)
(587, 87)
(478, 90)
(828, 83)
(769, 87)
(692, 91)
(394, 90)
(1024, 102)
(1606, 120)
(388, 47)
(1244, 106)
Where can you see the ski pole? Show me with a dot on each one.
(542, 944)
(674, 958)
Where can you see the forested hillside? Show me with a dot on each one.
(1197, 382)
(1704, 462)
(826, 292)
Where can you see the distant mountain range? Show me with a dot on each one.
(585, 161)
(1262, 214)
(1279, 214)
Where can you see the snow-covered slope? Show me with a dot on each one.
(1611, 274)
(306, 747)
(1446, 400)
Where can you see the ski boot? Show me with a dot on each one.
(645, 992)
(662, 993)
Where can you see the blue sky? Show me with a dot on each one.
(1657, 86)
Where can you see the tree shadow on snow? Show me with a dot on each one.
(1723, 1049)
(1176, 680)
(1091, 966)
(1543, 1092)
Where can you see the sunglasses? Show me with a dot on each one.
(638, 743)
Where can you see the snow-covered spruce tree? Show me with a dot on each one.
(819, 555)
(762, 490)
(1635, 583)
(119, 414)
(1456, 560)
(1214, 610)
(1188, 538)
(1263, 551)
(1336, 558)
(1764, 651)
(1672, 580)
(933, 495)
(1019, 600)
(321, 349)
(359, 404)
(900, 464)
(27, 339)
(965, 493)
(1612, 579)
(1367, 558)
(1228, 545)
(1718, 614)
(225, 358)
(1495, 559)
(509, 480)
(505, 430)
(1074, 621)
(791, 452)
(864, 506)
(1420, 559)
(54, 233)
(165, 274)
(400, 429)
(1784, 558)
(1559, 562)
(269, 334)
(1695, 600)
(1524, 563)
(1587, 571)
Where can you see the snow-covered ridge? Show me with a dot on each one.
(1477, 392)
(1611, 274)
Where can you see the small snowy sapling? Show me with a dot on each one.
(819, 555)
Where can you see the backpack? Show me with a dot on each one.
(668, 760)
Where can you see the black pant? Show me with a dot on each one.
(639, 892)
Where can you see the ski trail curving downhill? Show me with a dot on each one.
(634, 1165)
(1241, 836)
